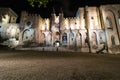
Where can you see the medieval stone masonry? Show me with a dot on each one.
(94, 29)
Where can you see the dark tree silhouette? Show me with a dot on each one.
(38, 3)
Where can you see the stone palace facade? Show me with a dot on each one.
(94, 29)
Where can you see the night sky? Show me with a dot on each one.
(69, 6)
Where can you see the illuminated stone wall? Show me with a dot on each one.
(110, 23)
(9, 29)
(94, 29)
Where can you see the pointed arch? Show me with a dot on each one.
(64, 38)
(24, 33)
(109, 23)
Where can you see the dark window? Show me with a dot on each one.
(26, 37)
(13, 18)
(0, 26)
(113, 40)
(57, 33)
(92, 17)
(28, 23)
(72, 39)
(4, 16)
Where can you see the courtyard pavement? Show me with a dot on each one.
(36, 65)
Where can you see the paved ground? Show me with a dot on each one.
(34, 65)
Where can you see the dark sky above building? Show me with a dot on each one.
(69, 6)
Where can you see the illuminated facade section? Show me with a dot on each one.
(72, 33)
(94, 29)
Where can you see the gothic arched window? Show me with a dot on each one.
(108, 23)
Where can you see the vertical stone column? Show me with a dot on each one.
(87, 27)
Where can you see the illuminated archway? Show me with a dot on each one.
(64, 39)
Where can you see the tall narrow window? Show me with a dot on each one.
(113, 40)
(108, 23)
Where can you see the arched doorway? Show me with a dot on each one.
(64, 39)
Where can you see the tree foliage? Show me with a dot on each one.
(38, 3)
